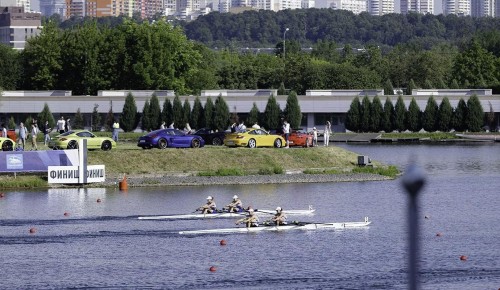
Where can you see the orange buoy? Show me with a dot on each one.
(223, 242)
(66, 213)
(439, 234)
(123, 184)
(463, 258)
(32, 230)
(98, 200)
(1, 194)
(213, 269)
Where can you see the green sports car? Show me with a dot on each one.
(7, 144)
(69, 140)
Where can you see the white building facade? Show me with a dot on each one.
(457, 7)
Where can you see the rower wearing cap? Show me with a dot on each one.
(279, 218)
(209, 207)
(251, 220)
(235, 206)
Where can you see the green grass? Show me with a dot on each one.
(432, 136)
(390, 171)
(31, 181)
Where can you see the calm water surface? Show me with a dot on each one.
(103, 245)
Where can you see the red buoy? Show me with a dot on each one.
(98, 200)
(1, 194)
(438, 234)
(213, 269)
(222, 242)
(32, 230)
(463, 258)
(66, 213)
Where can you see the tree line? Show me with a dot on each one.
(366, 116)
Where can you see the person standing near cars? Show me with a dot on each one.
(46, 131)
(23, 134)
(34, 133)
(4, 131)
(116, 128)
(286, 132)
(328, 131)
(315, 137)
(61, 124)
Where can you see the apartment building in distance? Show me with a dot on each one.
(380, 7)
(419, 6)
(457, 7)
(484, 8)
(17, 26)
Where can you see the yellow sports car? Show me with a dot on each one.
(254, 138)
(7, 144)
(69, 140)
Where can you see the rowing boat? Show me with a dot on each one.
(273, 228)
(309, 211)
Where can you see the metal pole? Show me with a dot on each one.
(413, 181)
(284, 44)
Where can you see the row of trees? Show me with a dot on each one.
(366, 116)
(133, 56)
(215, 116)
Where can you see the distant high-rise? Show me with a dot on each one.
(482, 8)
(16, 26)
(419, 6)
(50, 7)
(380, 7)
(458, 7)
(356, 6)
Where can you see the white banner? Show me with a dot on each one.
(69, 174)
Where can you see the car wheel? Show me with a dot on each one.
(106, 146)
(73, 144)
(216, 141)
(162, 143)
(7, 145)
(252, 143)
(277, 143)
(195, 143)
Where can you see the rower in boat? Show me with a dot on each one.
(209, 207)
(279, 218)
(235, 206)
(251, 220)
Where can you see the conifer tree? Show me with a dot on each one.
(146, 124)
(411, 87)
(221, 114)
(12, 123)
(167, 112)
(388, 116)
(253, 115)
(430, 115)
(110, 119)
(196, 114)
(154, 113)
(475, 114)
(209, 114)
(428, 84)
(177, 113)
(292, 111)
(272, 114)
(353, 118)
(400, 115)
(79, 122)
(129, 117)
(454, 85)
(388, 88)
(376, 112)
(46, 115)
(365, 114)
(281, 89)
(459, 116)
(414, 116)
(445, 117)
(186, 112)
(96, 119)
(441, 84)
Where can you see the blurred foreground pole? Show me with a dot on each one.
(413, 181)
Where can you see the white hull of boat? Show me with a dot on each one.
(309, 211)
(299, 226)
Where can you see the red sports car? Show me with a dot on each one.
(300, 138)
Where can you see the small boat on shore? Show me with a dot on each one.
(290, 226)
(298, 212)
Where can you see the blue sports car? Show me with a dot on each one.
(165, 138)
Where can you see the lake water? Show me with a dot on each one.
(103, 245)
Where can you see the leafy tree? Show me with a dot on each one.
(292, 110)
(365, 114)
(186, 112)
(430, 115)
(129, 116)
(167, 112)
(376, 112)
(209, 114)
(400, 115)
(10, 68)
(46, 115)
(475, 114)
(196, 114)
(445, 117)
(411, 87)
(12, 123)
(177, 113)
(476, 66)
(110, 119)
(96, 119)
(254, 115)
(221, 114)
(146, 122)
(388, 116)
(414, 116)
(27, 122)
(79, 123)
(353, 118)
(428, 84)
(388, 88)
(459, 116)
(154, 113)
(272, 114)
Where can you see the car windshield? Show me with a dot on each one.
(67, 133)
(85, 134)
